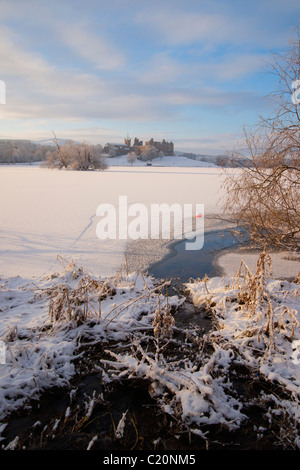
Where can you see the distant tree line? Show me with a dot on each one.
(72, 155)
(23, 151)
(225, 161)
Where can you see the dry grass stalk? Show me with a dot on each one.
(66, 265)
(252, 287)
(257, 303)
(297, 278)
(68, 304)
(163, 322)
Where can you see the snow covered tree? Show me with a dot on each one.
(78, 156)
(264, 197)
(62, 157)
(87, 157)
(131, 157)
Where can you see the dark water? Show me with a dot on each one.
(184, 264)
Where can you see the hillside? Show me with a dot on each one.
(174, 161)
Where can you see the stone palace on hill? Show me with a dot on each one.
(137, 146)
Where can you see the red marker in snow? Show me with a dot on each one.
(198, 216)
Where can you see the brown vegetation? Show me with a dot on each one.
(76, 156)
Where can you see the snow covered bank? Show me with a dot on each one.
(49, 325)
(43, 325)
(258, 325)
(284, 264)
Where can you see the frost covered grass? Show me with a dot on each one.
(45, 324)
(257, 323)
(123, 328)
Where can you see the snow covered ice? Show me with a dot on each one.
(45, 213)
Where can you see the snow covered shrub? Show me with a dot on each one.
(77, 156)
(75, 298)
(256, 301)
(73, 304)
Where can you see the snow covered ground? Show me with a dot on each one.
(46, 323)
(166, 161)
(49, 309)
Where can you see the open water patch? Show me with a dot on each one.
(182, 264)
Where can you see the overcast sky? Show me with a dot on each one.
(191, 71)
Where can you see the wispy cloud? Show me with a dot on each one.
(210, 97)
(160, 69)
(184, 24)
(233, 66)
(39, 89)
(159, 66)
(93, 48)
(180, 27)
